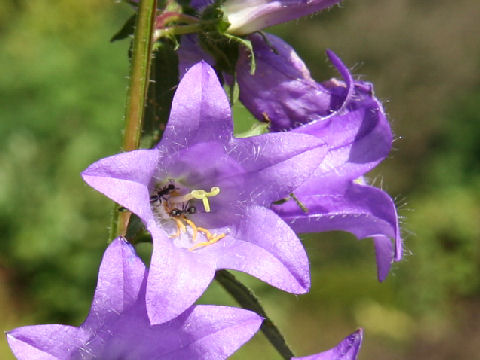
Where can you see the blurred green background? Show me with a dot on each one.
(62, 93)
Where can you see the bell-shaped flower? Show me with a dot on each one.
(205, 197)
(347, 349)
(248, 16)
(346, 115)
(118, 327)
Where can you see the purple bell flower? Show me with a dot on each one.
(118, 327)
(205, 197)
(347, 349)
(347, 116)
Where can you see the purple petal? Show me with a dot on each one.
(202, 164)
(384, 254)
(200, 4)
(200, 110)
(120, 278)
(357, 140)
(276, 163)
(190, 53)
(248, 16)
(210, 332)
(347, 349)
(281, 87)
(125, 178)
(341, 92)
(46, 342)
(177, 278)
(266, 247)
(364, 211)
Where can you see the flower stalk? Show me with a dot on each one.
(136, 94)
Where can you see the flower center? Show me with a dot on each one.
(174, 202)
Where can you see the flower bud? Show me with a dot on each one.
(248, 16)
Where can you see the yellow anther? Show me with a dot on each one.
(203, 195)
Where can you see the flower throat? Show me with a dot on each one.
(171, 204)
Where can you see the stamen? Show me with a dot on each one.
(203, 195)
(180, 227)
(194, 229)
(212, 240)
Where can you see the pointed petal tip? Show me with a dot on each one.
(358, 333)
(202, 67)
(331, 54)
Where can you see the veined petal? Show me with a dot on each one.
(347, 349)
(45, 342)
(177, 278)
(125, 178)
(208, 332)
(200, 110)
(266, 247)
(364, 211)
(276, 163)
(120, 278)
(358, 140)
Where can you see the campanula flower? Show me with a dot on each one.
(347, 349)
(347, 116)
(205, 197)
(118, 327)
(248, 16)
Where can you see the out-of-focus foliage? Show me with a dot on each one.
(62, 93)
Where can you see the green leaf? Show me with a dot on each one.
(127, 29)
(256, 129)
(248, 45)
(163, 82)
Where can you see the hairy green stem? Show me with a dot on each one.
(178, 30)
(136, 94)
(247, 300)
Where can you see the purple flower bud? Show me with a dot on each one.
(248, 16)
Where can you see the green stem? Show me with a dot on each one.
(247, 300)
(178, 30)
(190, 28)
(136, 94)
